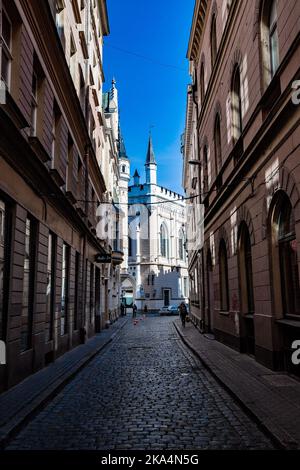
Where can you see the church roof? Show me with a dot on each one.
(122, 148)
(150, 153)
(136, 173)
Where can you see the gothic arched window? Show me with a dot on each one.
(164, 242)
(181, 245)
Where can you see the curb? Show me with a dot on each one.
(18, 421)
(279, 443)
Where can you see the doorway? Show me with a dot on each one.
(210, 292)
(166, 297)
(246, 290)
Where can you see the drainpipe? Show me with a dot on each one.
(202, 320)
(84, 249)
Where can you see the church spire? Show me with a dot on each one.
(150, 159)
(151, 166)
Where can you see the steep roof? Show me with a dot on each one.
(150, 153)
(122, 148)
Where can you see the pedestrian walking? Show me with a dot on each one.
(122, 310)
(183, 313)
(134, 310)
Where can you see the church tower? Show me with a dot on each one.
(124, 169)
(151, 166)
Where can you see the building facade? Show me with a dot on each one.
(241, 158)
(55, 153)
(157, 273)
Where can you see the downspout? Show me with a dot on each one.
(84, 250)
(202, 320)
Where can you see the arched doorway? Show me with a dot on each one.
(247, 306)
(285, 276)
(210, 292)
(127, 291)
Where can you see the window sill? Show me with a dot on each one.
(224, 313)
(289, 323)
(249, 316)
(11, 108)
(39, 149)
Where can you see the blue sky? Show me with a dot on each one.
(150, 93)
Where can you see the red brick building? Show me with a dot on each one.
(53, 294)
(243, 137)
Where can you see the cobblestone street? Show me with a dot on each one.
(145, 391)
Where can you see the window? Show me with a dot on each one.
(269, 40)
(181, 245)
(218, 145)
(65, 289)
(213, 41)
(59, 20)
(72, 59)
(55, 131)
(130, 251)
(246, 276)
(4, 265)
(224, 294)
(273, 38)
(6, 50)
(77, 289)
(284, 251)
(81, 90)
(202, 83)
(164, 248)
(34, 104)
(28, 284)
(50, 290)
(236, 104)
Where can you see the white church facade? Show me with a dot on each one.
(154, 273)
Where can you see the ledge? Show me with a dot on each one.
(117, 257)
(289, 323)
(11, 108)
(39, 149)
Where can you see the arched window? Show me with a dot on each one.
(237, 120)
(269, 39)
(213, 41)
(223, 267)
(164, 242)
(205, 169)
(181, 245)
(217, 142)
(245, 270)
(284, 255)
(202, 83)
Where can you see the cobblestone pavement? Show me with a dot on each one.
(145, 392)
